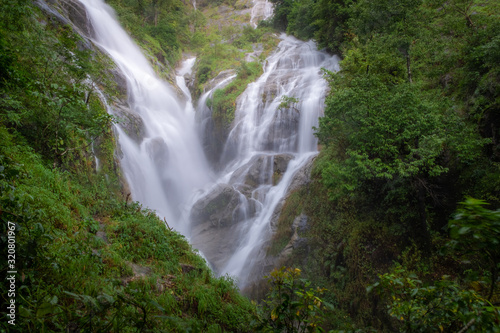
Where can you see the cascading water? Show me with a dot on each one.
(167, 164)
(209, 134)
(261, 10)
(272, 138)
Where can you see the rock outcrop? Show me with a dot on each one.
(301, 178)
(76, 12)
(130, 121)
(213, 220)
(217, 208)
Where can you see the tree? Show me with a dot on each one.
(330, 22)
(440, 306)
(387, 137)
(475, 231)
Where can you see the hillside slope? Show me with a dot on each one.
(86, 259)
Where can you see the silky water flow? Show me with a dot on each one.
(226, 214)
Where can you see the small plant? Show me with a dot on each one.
(288, 103)
(292, 305)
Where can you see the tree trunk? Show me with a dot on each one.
(408, 68)
(493, 280)
(422, 230)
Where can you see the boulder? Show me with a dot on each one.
(214, 224)
(158, 151)
(218, 207)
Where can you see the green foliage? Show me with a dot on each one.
(396, 137)
(159, 27)
(13, 14)
(330, 22)
(223, 101)
(475, 230)
(410, 129)
(442, 306)
(48, 97)
(226, 49)
(292, 305)
(389, 144)
(325, 20)
(288, 103)
(384, 131)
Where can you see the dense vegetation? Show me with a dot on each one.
(86, 259)
(410, 130)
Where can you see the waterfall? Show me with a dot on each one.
(166, 164)
(261, 10)
(206, 126)
(269, 142)
(227, 215)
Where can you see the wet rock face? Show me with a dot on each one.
(256, 172)
(215, 217)
(72, 13)
(261, 170)
(219, 78)
(280, 165)
(121, 81)
(302, 177)
(299, 226)
(131, 122)
(214, 132)
(75, 11)
(215, 243)
(213, 220)
(282, 135)
(218, 207)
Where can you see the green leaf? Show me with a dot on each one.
(53, 300)
(156, 305)
(463, 230)
(24, 312)
(44, 309)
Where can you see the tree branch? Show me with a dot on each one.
(466, 327)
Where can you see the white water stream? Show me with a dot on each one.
(261, 10)
(168, 165)
(228, 218)
(266, 142)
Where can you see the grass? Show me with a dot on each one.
(223, 101)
